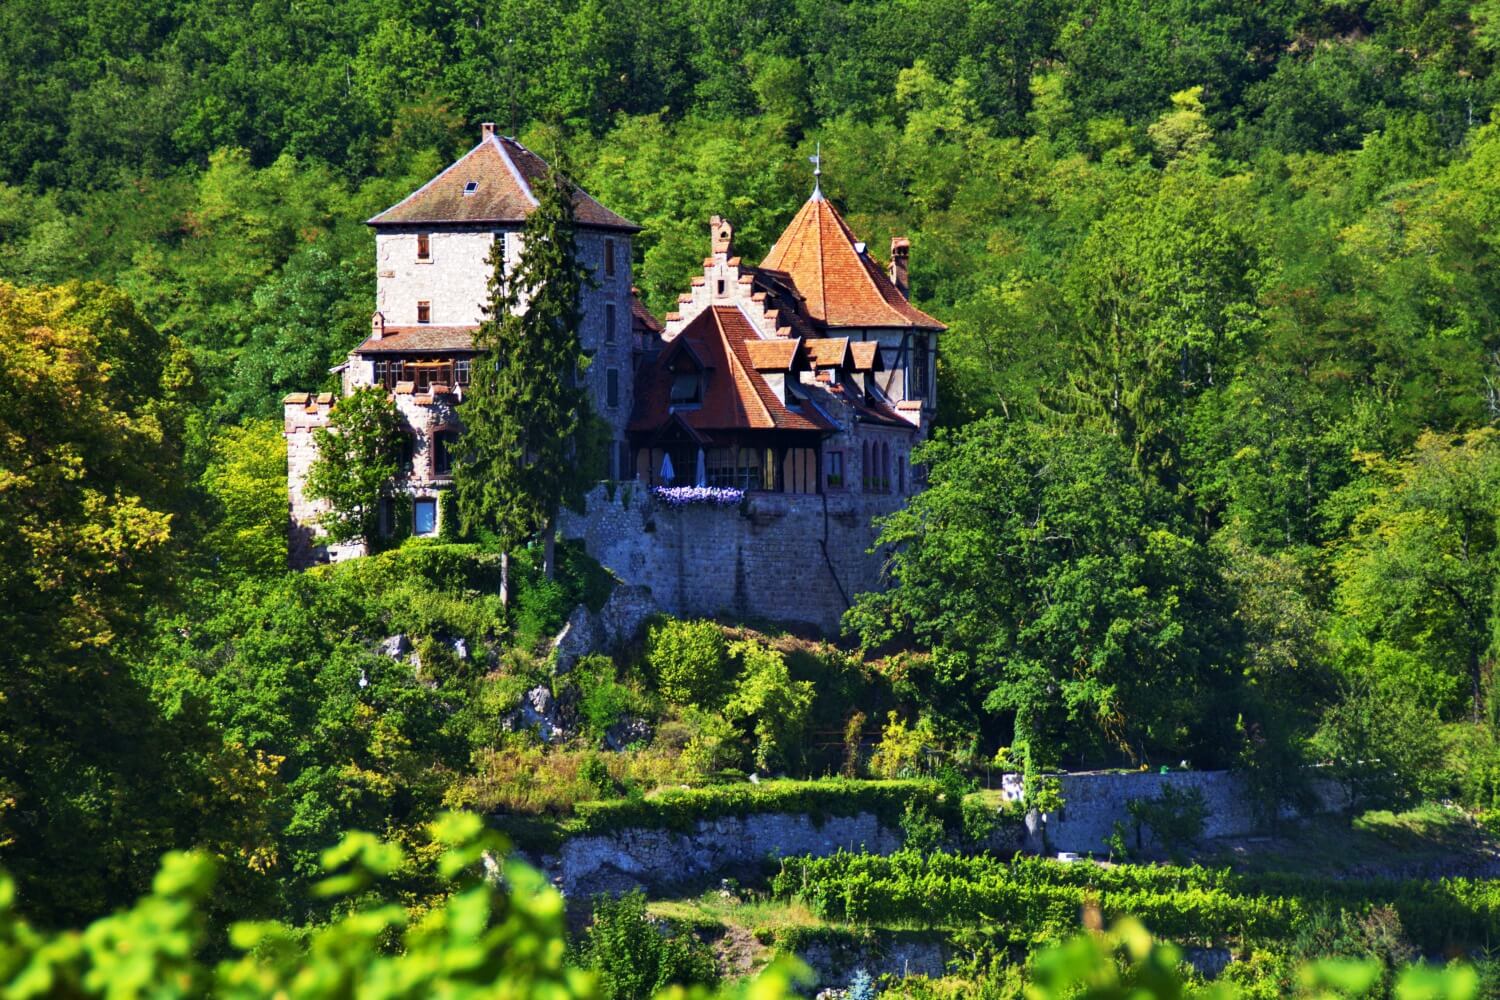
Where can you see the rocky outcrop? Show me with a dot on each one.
(608, 630)
(659, 860)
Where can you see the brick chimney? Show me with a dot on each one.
(900, 254)
(486, 130)
(721, 235)
(377, 326)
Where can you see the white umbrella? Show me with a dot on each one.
(702, 469)
(667, 475)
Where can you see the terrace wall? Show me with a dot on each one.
(788, 558)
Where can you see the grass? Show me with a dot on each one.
(1431, 839)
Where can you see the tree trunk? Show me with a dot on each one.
(549, 549)
(504, 579)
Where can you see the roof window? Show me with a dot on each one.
(471, 187)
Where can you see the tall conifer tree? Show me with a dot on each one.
(527, 408)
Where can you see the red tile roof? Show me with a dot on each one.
(640, 316)
(867, 356)
(504, 172)
(842, 286)
(736, 397)
(772, 355)
(829, 352)
(402, 339)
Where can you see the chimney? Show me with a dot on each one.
(721, 234)
(486, 131)
(900, 253)
(377, 326)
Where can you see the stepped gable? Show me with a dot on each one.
(502, 172)
(841, 286)
(722, 342)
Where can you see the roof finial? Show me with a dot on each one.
(817, 161)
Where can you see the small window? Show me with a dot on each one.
(835, 476)
(612, 387)
(424, 516)
(721, 287)
(609, 258)
(408, 452)
(461, 371)
(424, 312)
(424, 246)
(609, 323)
(470, 188)
(443, 443)
(685, 388)
(901, 475)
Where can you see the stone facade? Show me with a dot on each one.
(1094, 803)
(784, 557)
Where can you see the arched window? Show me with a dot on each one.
(901, 474)
(864, 466)
(885, 467)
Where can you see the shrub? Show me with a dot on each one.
(921, 831)
(542, 607)
(1175, 818)
(899, 754)
(776, 707)
(713, 745)
(602, 699)
(634, 959)
(687, 660)
(979, 819)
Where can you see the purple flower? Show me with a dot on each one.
(681, 496)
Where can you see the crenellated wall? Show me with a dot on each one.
(792, 558)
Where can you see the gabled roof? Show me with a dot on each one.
(736, 396)
(840, 285)
(829, 352)
(773, 355)
(402, 339)
(641, 318)
(503, 172)
(867, 356)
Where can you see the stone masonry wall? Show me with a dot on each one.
(763, 559)
(1093, 803)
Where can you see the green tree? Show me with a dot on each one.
(359, 453)
(525, 451)
(246, 480)
(91, 493)
(688, 659)
(1418, 572)
(1059, 590)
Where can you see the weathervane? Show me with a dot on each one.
(817, 161)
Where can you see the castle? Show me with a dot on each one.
(754, 433)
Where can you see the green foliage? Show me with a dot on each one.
(687, 660)
(359, 453)
(1039, 900)
(635, 960)
(1176, 818)
(603, 700)
(1056, 587)
(246, 480)
(485, 936)
(92, 498)
(774, 706)
(1383, 743)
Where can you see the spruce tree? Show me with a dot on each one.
(527, 409)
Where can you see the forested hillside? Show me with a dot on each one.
(1217, 477)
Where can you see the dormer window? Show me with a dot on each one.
(424, 246)
(687, 389)
(470, 188)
